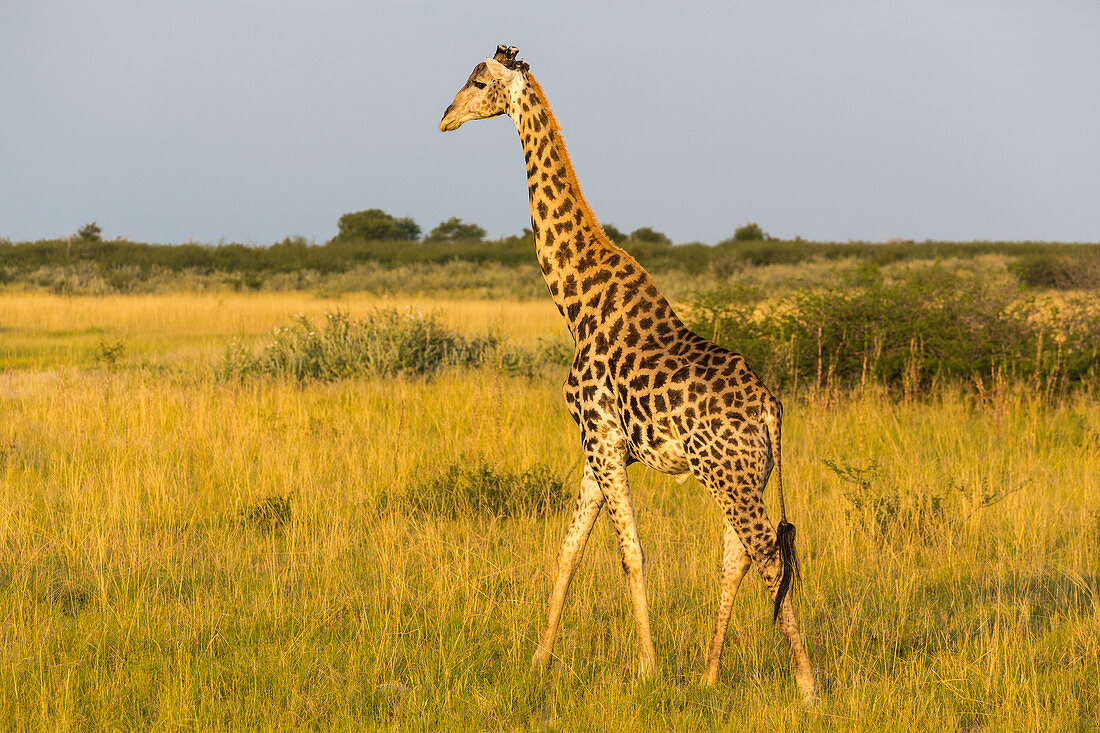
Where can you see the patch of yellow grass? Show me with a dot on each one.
(42, 330)
(956, 588)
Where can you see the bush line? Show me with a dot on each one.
(123, 264)
(932, 327)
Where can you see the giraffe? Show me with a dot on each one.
(642, 387)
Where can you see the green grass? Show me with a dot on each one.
(183, 551)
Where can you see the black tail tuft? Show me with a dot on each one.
(784, 543)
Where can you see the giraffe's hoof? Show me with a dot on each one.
(540, 662)
(647, 670)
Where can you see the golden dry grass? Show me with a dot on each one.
(45, 330)
(950, 548)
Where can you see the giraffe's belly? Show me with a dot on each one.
(657, 445)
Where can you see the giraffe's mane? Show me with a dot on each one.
(570, 172)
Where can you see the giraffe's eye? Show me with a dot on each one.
(479, 84)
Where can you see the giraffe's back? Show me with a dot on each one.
(663, 393)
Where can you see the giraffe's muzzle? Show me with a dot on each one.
(453, 119)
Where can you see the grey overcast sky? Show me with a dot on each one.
(251, 120)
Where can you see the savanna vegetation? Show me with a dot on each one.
(375, 251)
(330, 496)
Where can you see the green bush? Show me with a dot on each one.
(266, 514)
(613, 233)
(342, 254)
(80, 267)
(906, 335)
(650, 235)
(476, 487)
(1060, 271)
(376, 224)
(751, 232)
(455, 230)
(90, 232)
(385, 342)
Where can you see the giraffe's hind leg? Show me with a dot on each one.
(589, 501)
(735, 563)
(740, 497)
(764, 554)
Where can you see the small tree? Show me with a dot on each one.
(751, 232)
(376, 224)
(90, 232)
(405, 228)
(454, 229)
(613, 233)
(648, 234)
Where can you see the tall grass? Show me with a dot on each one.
(179, 550)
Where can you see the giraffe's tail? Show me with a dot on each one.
(784, 541)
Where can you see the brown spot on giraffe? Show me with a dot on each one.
(705, 412)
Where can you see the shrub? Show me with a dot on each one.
(476, 487)
(613, 233)
(385, 342)
(375, 224)
(899, 517)
(68, 597)
(266, 514)
(1060, 271)
(149, 265)
(751, 232)
(90, 232)
(455, 229)
(109, 354)
(648, 234)
(904, 335)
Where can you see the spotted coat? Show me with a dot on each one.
(642, 386)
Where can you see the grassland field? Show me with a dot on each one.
(950, 545)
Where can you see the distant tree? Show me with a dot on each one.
(613, 233)
(406, 228)
(90, 232)
(376, 224)
(454, 229)
(751, 232)
(648, 234)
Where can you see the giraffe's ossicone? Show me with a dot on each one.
(642, 387)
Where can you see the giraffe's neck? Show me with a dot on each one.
(571, 246)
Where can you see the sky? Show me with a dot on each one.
(254, 120)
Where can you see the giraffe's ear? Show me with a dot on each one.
(498, 70)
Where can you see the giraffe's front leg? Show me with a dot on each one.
(608, 464)
(589, 502)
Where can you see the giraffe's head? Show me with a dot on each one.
(488, 91)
